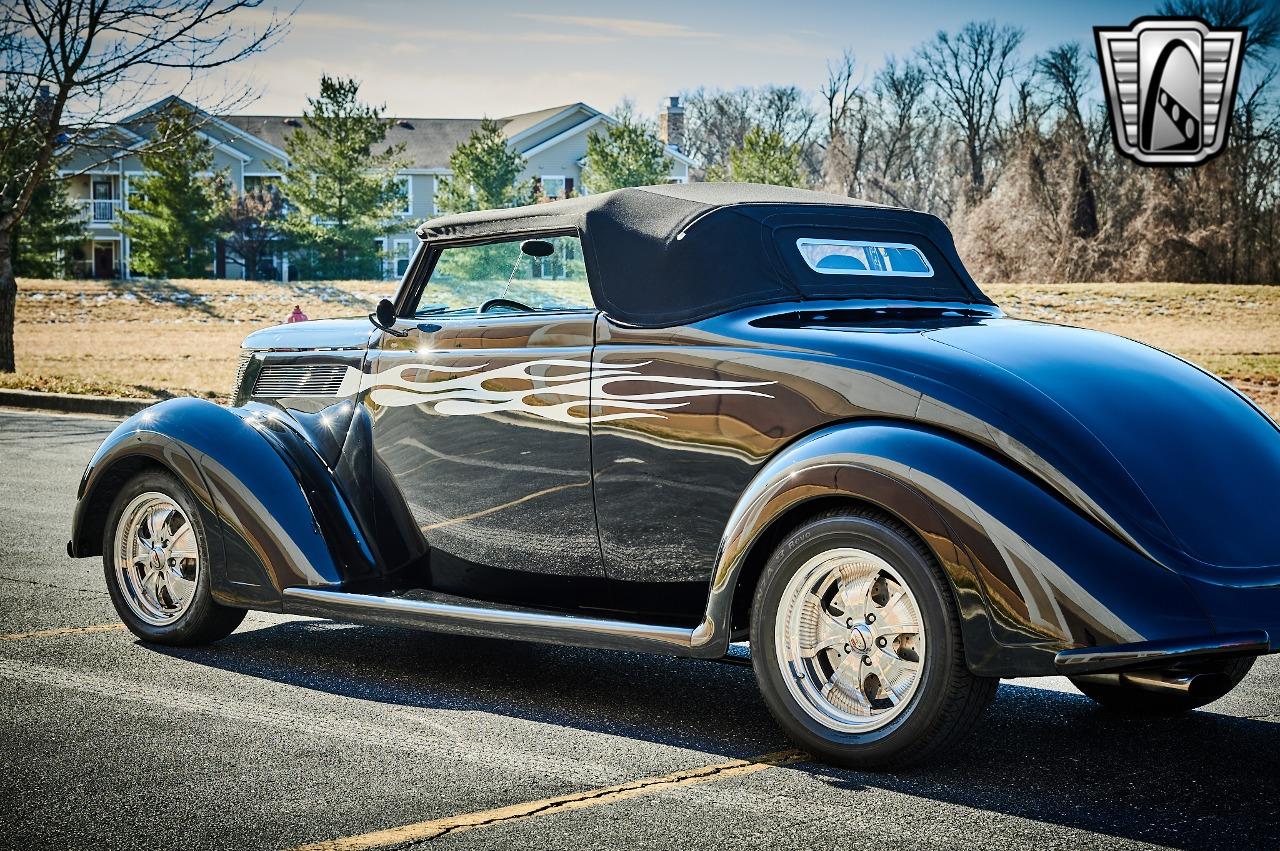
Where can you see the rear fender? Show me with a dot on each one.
(279, 517)
(1030, 574)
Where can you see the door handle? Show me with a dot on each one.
(428, 327)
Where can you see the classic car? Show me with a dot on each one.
(679, 418)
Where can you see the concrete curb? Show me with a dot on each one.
(74, 403)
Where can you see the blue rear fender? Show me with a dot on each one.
(1031, 574)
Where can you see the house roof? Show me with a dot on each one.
(428, 142)
(514, 125)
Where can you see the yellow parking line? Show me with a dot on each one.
(70, 630)
(576, 801)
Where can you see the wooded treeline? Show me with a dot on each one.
(1015, 153)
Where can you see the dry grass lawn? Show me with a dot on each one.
(145, 339)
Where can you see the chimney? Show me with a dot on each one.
(671, 123)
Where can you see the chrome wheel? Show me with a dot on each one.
(157, 559)
(850, 640)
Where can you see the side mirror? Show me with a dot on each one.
(384, 317)
(537, 248)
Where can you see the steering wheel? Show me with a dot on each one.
(503, 302)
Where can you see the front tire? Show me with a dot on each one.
(856, 644)
(156, 561)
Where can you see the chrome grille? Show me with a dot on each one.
(239, 385)
(279, 380)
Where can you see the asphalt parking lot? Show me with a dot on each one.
(297, 731)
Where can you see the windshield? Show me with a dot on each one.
(465, 277)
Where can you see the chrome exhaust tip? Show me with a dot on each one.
(1177, 682)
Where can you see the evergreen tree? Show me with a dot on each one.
(628, 153)
(341, 184)
(485, 172)
(763, 157)
(172, 216)
(44, 237)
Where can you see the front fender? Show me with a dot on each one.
(1031, 574)
(271, 504)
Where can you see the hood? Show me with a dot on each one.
(1153, 439)
(311, 335)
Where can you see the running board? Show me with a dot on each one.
(470, 617)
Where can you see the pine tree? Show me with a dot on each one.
(485, 171)
(44, 237)
(172, 216)
(341, 184)
(763, 157)
(628, 153)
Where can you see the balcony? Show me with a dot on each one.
(96, 211)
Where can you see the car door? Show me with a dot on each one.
(681, 424)
(481, 416)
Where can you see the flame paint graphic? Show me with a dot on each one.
(587, 383)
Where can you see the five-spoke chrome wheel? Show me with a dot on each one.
(850, 640)
(157, 558)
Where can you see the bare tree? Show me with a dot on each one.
(913, 171)
(1064, 70)
(717, 121)
(69, 64)
(1261, 17)
(251, 223)
(969, 72)
(847, 128)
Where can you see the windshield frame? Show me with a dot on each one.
(417, 278)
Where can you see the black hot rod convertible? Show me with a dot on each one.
(668, 419)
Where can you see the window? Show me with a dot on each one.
(882, 259)
(466, 276)
(400, 256)
(131, 195)
(405, 184)
(104, 199)
(258, 182)
(553, 185)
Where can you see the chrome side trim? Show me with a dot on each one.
(491, 622)
(1160, 654)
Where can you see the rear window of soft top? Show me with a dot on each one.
(857, 257)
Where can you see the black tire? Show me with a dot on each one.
(204, 619)
(947, 699)
(1130, 700)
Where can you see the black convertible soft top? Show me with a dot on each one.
(672, 254)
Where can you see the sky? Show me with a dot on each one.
(467, 59)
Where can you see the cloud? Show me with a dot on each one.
(335, 22)
(632, 27)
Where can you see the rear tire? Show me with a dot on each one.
(157, 561)
(856, 644)
(1129, 700)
